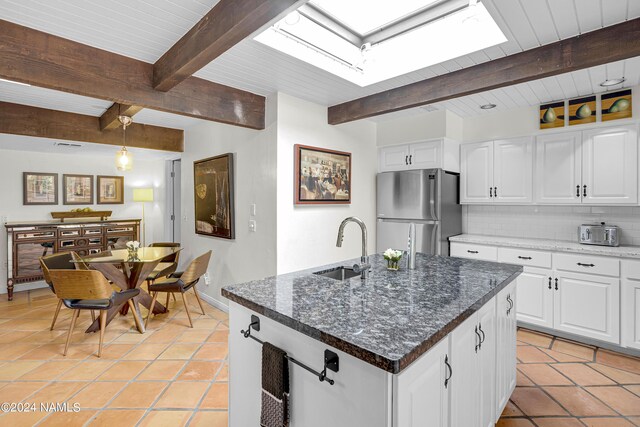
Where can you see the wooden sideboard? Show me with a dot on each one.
(27, 242)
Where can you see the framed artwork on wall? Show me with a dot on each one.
(616, 105)
(582, 110)
(321, 176)
(39, 188)
(110, 190)
(77, 189)
(552, 115)
(213, 181)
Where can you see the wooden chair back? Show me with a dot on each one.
(197, 268)
(172, 257)
(80, 265)
(80, 284)
(57, 261)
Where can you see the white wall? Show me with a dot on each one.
(250, 255)
(412, 128)
(146, 173)
(307, 234)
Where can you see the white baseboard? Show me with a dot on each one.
(214, 302)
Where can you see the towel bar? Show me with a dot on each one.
(331, 359)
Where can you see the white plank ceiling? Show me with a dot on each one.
(145, 29)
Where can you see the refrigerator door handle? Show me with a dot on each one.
(432, 197)
(434, 239)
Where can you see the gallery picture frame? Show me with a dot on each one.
(77, 189)
(110, 190)
(214, 177)
(326, 191)
(39, 188)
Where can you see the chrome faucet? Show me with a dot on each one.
(364, 266)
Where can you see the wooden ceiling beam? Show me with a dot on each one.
(109, 119)
(610, 44)
(44, 60)
(225, 25)
(17, 119)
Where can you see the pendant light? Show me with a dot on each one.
(124, 160)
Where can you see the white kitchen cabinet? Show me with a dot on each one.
(476, 172)
(610, 166)
(437, 153)
(587, 305)
(423, 396)
(535, 297)
(630, 293)
(506, 345)
(497, 171)
(465, 379)
(473, 251)
(487, 354)
(558, 168)
(513, 171)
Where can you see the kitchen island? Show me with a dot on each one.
(430, 346)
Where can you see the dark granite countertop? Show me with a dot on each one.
(387, 320)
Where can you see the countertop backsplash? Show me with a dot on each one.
(549, 222)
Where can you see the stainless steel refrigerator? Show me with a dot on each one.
(429, 198)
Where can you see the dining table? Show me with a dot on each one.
(128, 270)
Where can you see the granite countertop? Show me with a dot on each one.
(549, 245)
(387, 320)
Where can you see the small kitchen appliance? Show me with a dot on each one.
(598, 234)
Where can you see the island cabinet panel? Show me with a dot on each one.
(465, 379)
(361, 395)
(505, 345)
(487, 353)
(422, 390)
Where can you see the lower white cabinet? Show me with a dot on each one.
(487, 354)
(505, 375)
(587, 305)
(423, 400)
(630, 295)
(535, 297)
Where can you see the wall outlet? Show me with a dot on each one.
(207, 279)
(252, 209)
(252, 225)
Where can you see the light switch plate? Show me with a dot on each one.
(252, 225)
(252, 209)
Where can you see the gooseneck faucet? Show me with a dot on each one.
(364, 266)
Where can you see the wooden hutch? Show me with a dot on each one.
(28, 241)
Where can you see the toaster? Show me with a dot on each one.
(598, 234)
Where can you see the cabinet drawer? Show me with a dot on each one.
(631, 269)
(587, 264)
(469, 250)
(526, 257)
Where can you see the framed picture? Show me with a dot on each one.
(213, 196)
(39, 188)
(77, 189)
(110, 190)
(321, 176)
(616, 105)
(552, 115)
(582, 110)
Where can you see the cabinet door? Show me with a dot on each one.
(630, 327)
(535, 302)
(425, 155)
(487, 353)
(513, 171)
(422, 399)
(506, 346)
(587, 305)
(610, 166)
(558, 168)
(393, 158)
(476, 172)
(465, 377)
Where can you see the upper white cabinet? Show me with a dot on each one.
(598, 166)
(497, 171)
(437, 153)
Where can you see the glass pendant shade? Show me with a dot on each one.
(124, 160)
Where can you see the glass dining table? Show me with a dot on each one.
(128, 271)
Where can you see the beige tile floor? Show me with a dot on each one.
(174, 375)
(170, 376)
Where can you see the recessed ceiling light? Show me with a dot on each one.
(613, 82)
(15, 83)
(488, 106)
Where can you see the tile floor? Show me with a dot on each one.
(170, 376)
(174, 375)
(565, 384)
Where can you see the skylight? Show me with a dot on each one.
(404, 47)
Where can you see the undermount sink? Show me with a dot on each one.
(338, 273)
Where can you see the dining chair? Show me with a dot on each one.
(167, 266)
(182, 282)
(90, 290)
(60, 261)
